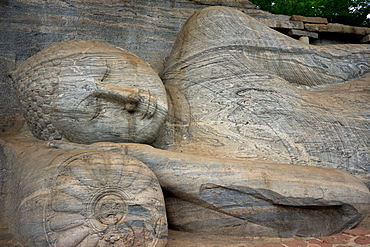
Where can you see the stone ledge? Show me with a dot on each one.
(295, 32)
(318, 20)
(337, 28)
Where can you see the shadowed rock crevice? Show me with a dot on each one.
(268, 208)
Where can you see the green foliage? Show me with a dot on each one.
(349, 12)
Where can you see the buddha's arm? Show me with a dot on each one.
(196, 178)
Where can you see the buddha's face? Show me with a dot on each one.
(108, 95)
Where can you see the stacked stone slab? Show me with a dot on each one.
(314, 26)
(308, 29)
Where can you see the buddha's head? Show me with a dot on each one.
(85, 91)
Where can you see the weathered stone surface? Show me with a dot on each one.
(237, 107)
(319, 243)
(336, 239)
(227, 82)
(337, 28)
(366, 39)
(359, 231)
(272, 20)
(296, 243)
(82, 198)
(272, 245)
(248, 197)
(325, 42)
(257, 13)
(229, 3)
(179, 239)
(7, 239)
(318, 20)
(363, 240)
(295, 32)
(233, 120)
(305, 40)
(146, 28)
(84, 80)
(276, 23)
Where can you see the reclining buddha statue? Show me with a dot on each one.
(243, 132)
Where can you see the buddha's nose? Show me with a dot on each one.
(127, 97)
(132, 99)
